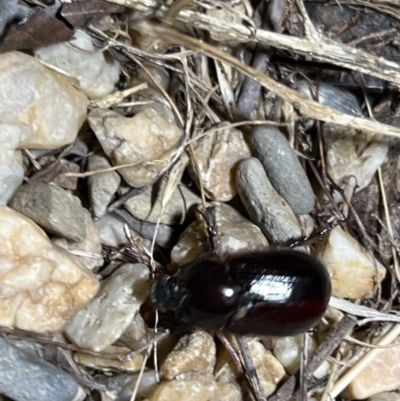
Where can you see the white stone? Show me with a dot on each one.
(145, 140)
(217, 156)
(353, 273)
(102, 186)
(111, 230)
(136, 335)
(41, 287)
(103, 320)
(95, 70)
(47, 108)
(11, 172)
(288, 351)
(237, 234)
(88, 251)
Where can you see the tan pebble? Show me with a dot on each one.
(382, 374)
(236, 233)
(269, 370)
(49, 110)
(180, 390)
(353, 273)
(217, 155)
(41, 287)
(145, 140)
(193, 353)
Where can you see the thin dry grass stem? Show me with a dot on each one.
(117, 97)
(305, 107)
(367, 345)
(310, 31)
(155, 57)
(321, 49)
(383, 6)
(159, 87)
(106, 170)
(364, 361)
(391, 239)
(198, 172)
(388, 224)
(140, 376)
(32, 159)
(32, 337)
(362, 311)
(331, 381)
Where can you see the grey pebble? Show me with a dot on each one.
(24, 377)
(282, 167)
(52, 208)
(331, 96)
(166, 235)
(102, 187)
(265, 207)
(147, 205)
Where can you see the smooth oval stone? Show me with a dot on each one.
(265, 207)
(282, 167)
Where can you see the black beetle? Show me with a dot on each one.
(275, 292)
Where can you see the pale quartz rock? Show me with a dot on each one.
(147, 205)
(136, 335)
(54, 209)
(145, 140)
(381, 374)
(102, 187)
(236, 234)
(265, 207)
(194, 353)
(288, 351)
(103, 320)
(193, 390)
(47, 108)
(353, 273)
(111, 230)
(106, 364)
(385, 397)
(153, 99)
(41, 287)
(217, 156)
(96, 72)
(88, 251)
(11, 171)
(352, 158)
